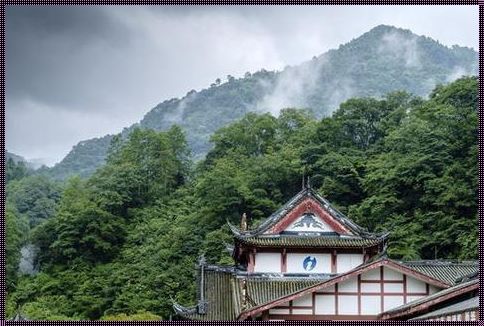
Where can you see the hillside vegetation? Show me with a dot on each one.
(119, 244)
(383, 60)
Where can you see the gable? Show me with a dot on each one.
(380, 277)
(308, 216)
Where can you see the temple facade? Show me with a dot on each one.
(308, 261)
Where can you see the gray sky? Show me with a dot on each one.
(76, 72)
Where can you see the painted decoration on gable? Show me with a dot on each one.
(309, 263)
(309, 222)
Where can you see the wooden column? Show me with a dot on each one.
(250, 268)
(265, 315)
(359, 294)
(382, 289)
(404, 288)
(334, 258)
(336, 299)
(284, 261)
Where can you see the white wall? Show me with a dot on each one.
(346, 262)
(348, 304)
(415, 286)
(267, 262)
(371, 287)
(325, 304)
(370, 304)
(373, 275)
(390, 302)
(393, 287)
(350, 285)
(306, 300)
(295, 261)
(390, 274)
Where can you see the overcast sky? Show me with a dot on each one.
(76, 72)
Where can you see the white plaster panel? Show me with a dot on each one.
(348, 304)
(391, 275)
(393, 287)
(346, 262)
(370, 287)
(279, 311)
(316, 225)
(350, 285)
(370, 304)
(390, 302)
(373, 275)
(306, 300)
(414, 297)
(295, 263)
(267, 262)
(433, 289)
(326, 290)
(415, 286)
(324, 305)
(302, 311)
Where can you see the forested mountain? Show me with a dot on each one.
(382, 60)
(119, 244)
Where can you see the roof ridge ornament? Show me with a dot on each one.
(243, 222)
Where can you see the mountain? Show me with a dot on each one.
(31, 164)
(16, 158)
(382, 60)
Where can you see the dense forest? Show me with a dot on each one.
(383, 60)
(122, 243)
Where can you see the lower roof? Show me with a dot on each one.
(457, 308)
(447, 271)
(223, 288)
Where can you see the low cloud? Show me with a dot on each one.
(400, 46)
(77, 72)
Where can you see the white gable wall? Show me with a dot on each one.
(361, 295)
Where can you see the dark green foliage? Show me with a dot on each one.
(35, 197)
(125, 241)
(16, 234)
(15, 170)
(383, 60)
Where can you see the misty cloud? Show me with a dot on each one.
(77, 72)
(404, 48)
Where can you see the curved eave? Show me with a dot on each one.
(310, 242)
(182, 310)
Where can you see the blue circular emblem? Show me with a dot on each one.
(309, 263)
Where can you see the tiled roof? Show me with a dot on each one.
(446, 271)
(222, 295)
(309, 241)
(293, 202)
(466, 305)
(406, 307)
(261, 291)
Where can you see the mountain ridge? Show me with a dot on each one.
(380, 61)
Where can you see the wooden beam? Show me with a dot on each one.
(321, 317)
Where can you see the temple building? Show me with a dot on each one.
(308, 261)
